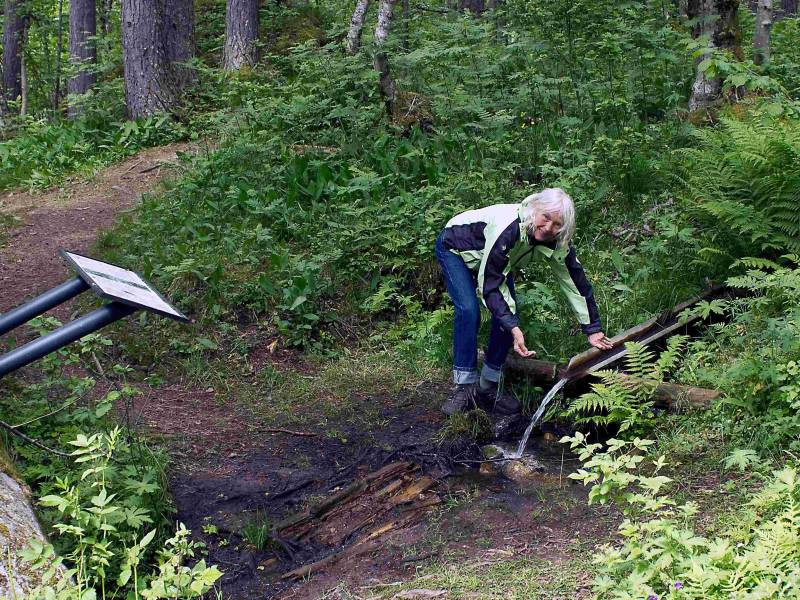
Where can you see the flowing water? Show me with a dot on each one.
(538, 415)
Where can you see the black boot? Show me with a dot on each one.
(461, 399)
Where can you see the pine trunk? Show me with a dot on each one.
(761, 35)
(386, 83)
(179, 38)
(149, 84)
(13, 31)
(82, 51)
(241, 34)
(356, 26)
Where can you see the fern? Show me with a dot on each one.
(626, 398)
(743, 180)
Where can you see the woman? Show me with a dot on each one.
(479, 249)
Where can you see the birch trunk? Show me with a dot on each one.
(356, 26)
(149, 84)
(385, 81)
(718, 21)
(761, 35)
(82, 51)
(241, 34)
(12, 49)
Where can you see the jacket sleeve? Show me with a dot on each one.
(492, 284)
(576, 287)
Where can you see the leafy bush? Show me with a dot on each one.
(754, 357)
(662, 555)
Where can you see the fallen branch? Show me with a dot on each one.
(289, 432)
(32, 441)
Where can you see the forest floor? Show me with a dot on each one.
(239, 467)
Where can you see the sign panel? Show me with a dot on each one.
(118, 284)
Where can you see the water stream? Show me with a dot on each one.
(538, 415)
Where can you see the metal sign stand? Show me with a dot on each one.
(127, 291)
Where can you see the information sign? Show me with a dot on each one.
(115, 283)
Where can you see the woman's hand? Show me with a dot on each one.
(599, 340)
(519, 344)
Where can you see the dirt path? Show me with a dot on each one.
(71, 216)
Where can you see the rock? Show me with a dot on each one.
(18, 526)
(504, 427)
(493, 451)
(489, 469)
(522, 471)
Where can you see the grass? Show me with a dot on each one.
(493, 576)
(257, 532)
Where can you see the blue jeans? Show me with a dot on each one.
(461, 285)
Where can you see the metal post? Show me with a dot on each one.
(41, 304)
(62, 336)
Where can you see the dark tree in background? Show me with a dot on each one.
(13, 35)
(241, 34)
(179, 38)
(82, 51)
(149, 85)
(718, 21)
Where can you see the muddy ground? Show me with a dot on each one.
(234, 475)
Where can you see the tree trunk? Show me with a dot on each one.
(12, 49)
(356, 26)
(476, 7)
(789, 7)
(718, 21)
(59, 48)
(82, 51)
(106, 6)
(386, 83)
(149, 82)
(23, 85)
(761, 35)
(179, 38)
(241, 34)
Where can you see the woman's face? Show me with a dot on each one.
(546, 225)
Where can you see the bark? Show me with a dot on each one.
(59, 47)
(476, 7)
(356, 26)
(82, 51)
(179, 39)
(761, 35)
(718, 21)
(23, 85)
(13, 31)
(241, 34)
(789, 7)
(106, 6)
(149, 81)
(386, 83)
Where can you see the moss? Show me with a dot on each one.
(411, 108)
(7, 465)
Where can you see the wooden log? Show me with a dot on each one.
(668, 395)
(662, 326)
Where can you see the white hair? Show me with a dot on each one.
(551, 200)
